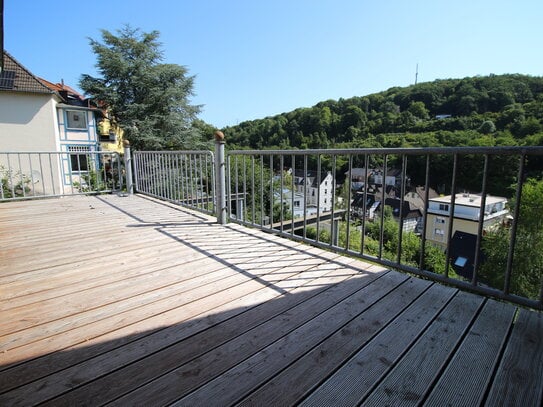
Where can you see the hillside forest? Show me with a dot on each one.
(489, 110)
(494, 110)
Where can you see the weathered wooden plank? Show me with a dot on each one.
(322, 360)
(349, 384)
(59, 281)
(411, 378)
(176, 348)
(216, 361)
(174, 281)
(464, 381)
(519, 380)
(229, 386)
(233, 301)
(138, 306)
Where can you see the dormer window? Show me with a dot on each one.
(76, 119)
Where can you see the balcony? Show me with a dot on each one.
(129, 300)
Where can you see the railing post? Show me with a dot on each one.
(220, 177)
(128, 167)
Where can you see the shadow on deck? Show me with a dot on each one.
(133, 301)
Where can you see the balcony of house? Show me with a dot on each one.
(156, 298)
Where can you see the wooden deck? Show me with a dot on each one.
(130, 301)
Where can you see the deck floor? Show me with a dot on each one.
(131, 301)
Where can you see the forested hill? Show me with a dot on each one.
(483, 110)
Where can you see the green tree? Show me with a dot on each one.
(487, 127)
(527, 267)
(149, 99)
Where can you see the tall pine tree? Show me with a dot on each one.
(148, 99)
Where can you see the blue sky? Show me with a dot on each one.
(254, 59)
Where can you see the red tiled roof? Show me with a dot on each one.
(61, 87)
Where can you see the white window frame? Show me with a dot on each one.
(79, 155)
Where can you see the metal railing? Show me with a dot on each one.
(31, 175)
(375, 204)
(186, 178)
(295, 193)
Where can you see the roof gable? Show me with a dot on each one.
(16, 78)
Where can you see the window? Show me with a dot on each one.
(79, 162)
(325, 191)
(439, 232)
(443, 207)
(76, 119)
(460, 261)
(439, 220)
(296, 204)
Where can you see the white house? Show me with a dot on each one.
(319, 190)
(295, 203)
(35, 116)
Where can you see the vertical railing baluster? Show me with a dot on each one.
(292, 190)
(262, 203)
(281, 195)
(304, 187)
(383, 190)
(347, 184)
(402, 200)
(236, 198)
(422, 256)
(334, 234)
(451, 216)
(245, 206)
(482, 208)
(364, 204)
(514, 226)
(253, 192)
(43, 185)
(272, 197)
(318, 183)
(21, 175)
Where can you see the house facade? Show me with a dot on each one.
(319, 190)
(39, 116)
(294, 202)
(360, 177)
(467, 208)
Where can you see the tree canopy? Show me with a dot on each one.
(148, 99)
(483, 110)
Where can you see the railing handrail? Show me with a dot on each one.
(498, 150)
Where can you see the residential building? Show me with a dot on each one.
(38, 115)
(411, 216)
(465, 218)
(319, 189)
(358, 177)
(109, 135)
(294, 202)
